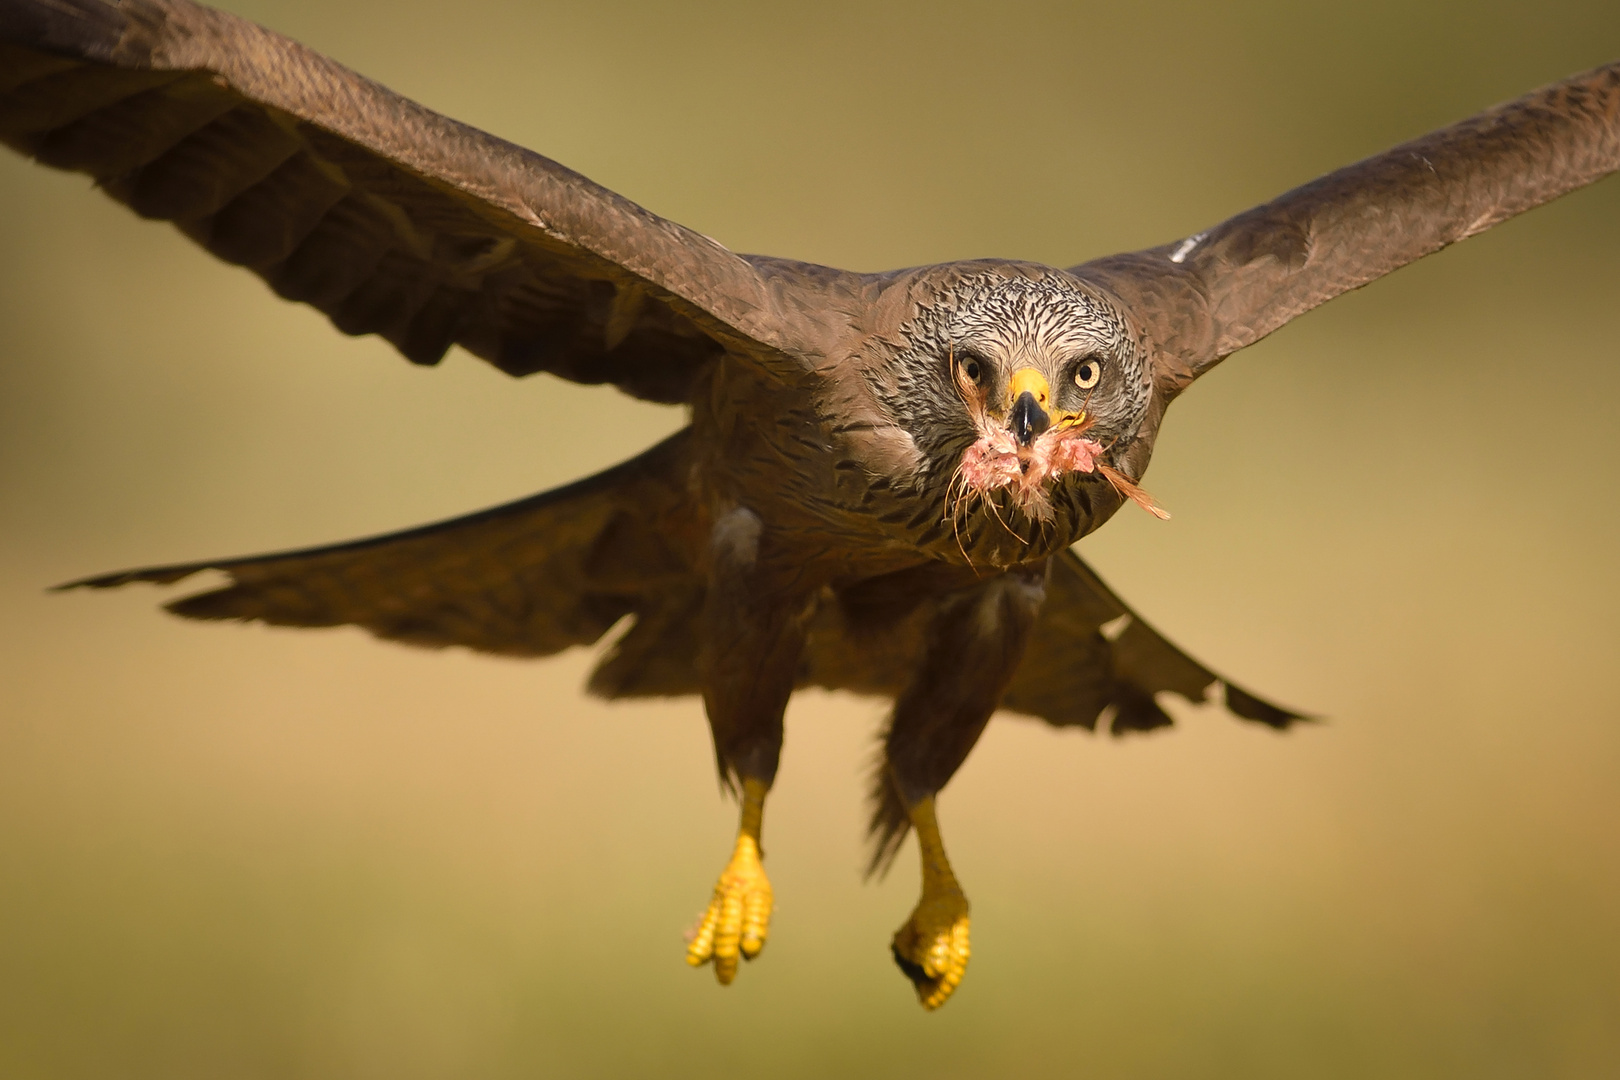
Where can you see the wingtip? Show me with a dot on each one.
(1243, 704)
(165, 576)
(101, 581)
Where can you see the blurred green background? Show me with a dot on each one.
(240, 852)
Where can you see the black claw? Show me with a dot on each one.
(913, 971)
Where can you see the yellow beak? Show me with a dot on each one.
(1030, 381)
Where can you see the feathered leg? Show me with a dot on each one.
(974, 647)
(750, 656)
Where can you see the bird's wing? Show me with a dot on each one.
(388, 217)
(1211, 294)
(1090, 654)
(529, 578)
(1091, 660)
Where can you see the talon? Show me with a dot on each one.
(932, 946)
(738, 918)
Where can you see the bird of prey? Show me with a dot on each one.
(883, 474)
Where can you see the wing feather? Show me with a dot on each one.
(388, 217)
(1090, 657)
(528, 578)
(1091, 660)
(1211, 294)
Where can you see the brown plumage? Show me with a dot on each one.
(884, 472)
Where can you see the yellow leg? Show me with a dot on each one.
(932, 947)
(739, 916)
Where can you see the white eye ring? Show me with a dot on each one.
(1088, 373)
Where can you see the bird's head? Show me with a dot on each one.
(1037, 378)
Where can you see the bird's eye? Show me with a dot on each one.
(972, 371)
(1087, 373)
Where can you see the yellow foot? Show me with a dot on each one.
(739, 916)
(932, 947)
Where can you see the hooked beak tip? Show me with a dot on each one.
(1027, 419)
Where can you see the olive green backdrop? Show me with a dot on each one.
(241, 852)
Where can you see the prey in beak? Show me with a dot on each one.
(1029, 446)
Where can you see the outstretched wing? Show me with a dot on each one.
(1090, 655)
(555, 570)
(1090, 660)
(388, 217)
(529, 578)
(1211, 294)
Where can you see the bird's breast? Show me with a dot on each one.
(853, 492)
